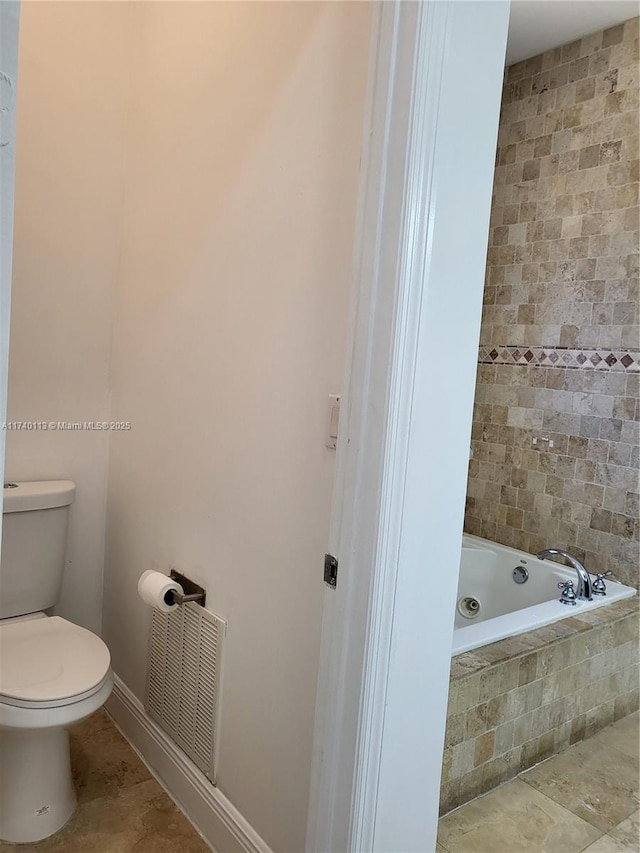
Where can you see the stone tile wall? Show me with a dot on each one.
(555, 434)
(510, 709)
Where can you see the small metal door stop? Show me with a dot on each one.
(330, 570)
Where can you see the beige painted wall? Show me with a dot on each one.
(186, 188)
(73, 74)
(229, 335)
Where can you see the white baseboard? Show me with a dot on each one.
(215, 818)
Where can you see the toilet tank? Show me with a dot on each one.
(34, 542)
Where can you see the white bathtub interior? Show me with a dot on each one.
(498, 607)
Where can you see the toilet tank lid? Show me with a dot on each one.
(42, 494)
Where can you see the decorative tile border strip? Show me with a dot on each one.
(626, 361)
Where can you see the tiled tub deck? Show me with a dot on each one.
(516, 702)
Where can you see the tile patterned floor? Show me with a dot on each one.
(585, 799)
(121, 808)
(582, 801)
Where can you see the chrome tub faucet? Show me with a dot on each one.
(584, 580)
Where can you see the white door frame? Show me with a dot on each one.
(9, 19)
(435, 87)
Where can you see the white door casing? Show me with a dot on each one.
(9, 22)
(435, 89)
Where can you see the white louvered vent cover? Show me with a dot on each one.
(183, 681)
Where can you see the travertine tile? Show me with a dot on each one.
(494, 822)
(103, 762)
(20, 848)
(624, 838)
(562, 274)
(606, 844)
(514, 817)
(92, 725)
(141, 819)
(623, 737)
(121, 808)
(627, 833)
(584, 678)
(592, 780)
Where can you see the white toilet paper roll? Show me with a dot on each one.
(154, 588)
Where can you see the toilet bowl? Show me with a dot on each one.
(52, 675)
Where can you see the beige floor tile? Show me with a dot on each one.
(593, 780)
(625, 838)
(628, 832)
(102, 761)
(141, 819)
(623, 736)
(95, 723)
(606, 844)
(18, 848)
(121, 809)
(514, 819)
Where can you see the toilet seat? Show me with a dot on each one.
(50, 662)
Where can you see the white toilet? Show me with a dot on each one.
(52, 673)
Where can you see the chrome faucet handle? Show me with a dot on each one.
(584, 578)
(568, 592)
(599, 587)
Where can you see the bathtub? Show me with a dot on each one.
(492, 606)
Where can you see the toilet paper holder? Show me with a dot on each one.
(192, 590)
